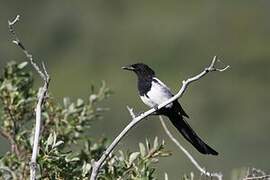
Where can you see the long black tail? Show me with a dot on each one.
(190, 135)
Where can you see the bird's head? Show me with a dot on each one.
(142, 70)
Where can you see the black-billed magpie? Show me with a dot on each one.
(153, 92)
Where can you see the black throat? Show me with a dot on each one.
(144, 84)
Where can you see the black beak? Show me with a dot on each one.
(129, 68)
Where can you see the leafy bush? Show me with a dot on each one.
(66, 150)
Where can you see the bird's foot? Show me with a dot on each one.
(156, 107)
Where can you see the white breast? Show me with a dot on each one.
(147, 101)
(158, 94)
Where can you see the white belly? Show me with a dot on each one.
(157, 95)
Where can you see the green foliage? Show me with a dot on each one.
(135, 165)
(66, 150)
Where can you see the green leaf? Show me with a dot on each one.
(121, 156)
(22, 65)
(80, 102)
(72, 158)
(154, 160)
(54, 138)
(58, 143)
(133, 157)
(142, 149)
(49, 141)
(92, 97)
(66, 101)
(86, 168)
(155, 146)
(148, 146)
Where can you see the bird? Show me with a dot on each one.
(153, 92)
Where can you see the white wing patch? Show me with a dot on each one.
(158, 94)
(164, 85)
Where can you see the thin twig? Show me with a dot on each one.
(193, 161)
(96, 165)
(131, 112)
(166, 176)
(17, 41)
(41, 95)
(258, 177)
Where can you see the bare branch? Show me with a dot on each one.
(131, 112)
(41, 96)
(46, 74)
(257, 178)
(166, 176)
(20, 44)
(96, 165)
(193, 161)
(256, 174)
(212, 66)
(11, 23)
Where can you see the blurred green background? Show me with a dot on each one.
(84, 42)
